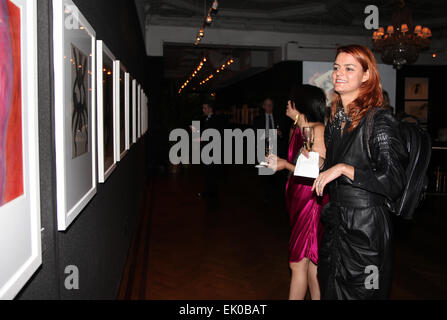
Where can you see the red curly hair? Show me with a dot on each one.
(370, 92)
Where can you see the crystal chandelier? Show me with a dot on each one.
(401, 43)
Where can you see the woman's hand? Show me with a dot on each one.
(276, 163)
(330, 175)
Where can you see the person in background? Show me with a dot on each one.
(269, 120)
(307, 106)
(210, 120)
(355, 253)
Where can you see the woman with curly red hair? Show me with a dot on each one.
(362, 177)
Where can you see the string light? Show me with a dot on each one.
(193, 74)
(207, 21)
(211, 76)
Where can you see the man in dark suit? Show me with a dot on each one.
(210, 120)
(269, 120)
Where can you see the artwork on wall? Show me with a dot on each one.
(121, 108)
(147, 114)
(416, 99)
(418, 109)
(134, 110)
(144, 113)
(131, 109)
(139, 111)
(127, 110)
(11, 169)
(20, 234)
(106, 111)
(79, 110)
(416, 88)
(75, 110)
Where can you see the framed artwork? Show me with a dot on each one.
(416, 88)
(127, 110)
(131, 109)
(139, 112)
(75, 111)
(122, 116)
(143, 111)
(145, 114)
(418, 109)
(134, 110)
(20, 226)
(416, 99)
(106, 111)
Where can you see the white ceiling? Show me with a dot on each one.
(282, 15)
(314, 17)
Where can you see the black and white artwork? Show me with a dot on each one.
(80, 100)
(75, 112)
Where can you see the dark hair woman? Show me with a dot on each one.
(355, 252)
(307, 107)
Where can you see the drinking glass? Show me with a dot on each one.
(308, 135)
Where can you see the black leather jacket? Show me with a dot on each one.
(356, 220)
(382, 175)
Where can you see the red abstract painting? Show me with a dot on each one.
(11, 157)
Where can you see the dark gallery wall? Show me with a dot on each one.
(98, 240)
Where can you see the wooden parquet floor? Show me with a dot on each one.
(235, 248)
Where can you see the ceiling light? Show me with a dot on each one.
(209, 19)
(399, 46)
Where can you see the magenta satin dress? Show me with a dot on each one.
(304, 209)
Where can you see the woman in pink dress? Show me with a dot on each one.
(307, 107)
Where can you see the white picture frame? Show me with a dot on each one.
(127, 110)
(146, 126)
(121, 109)
(106, 99)
(139, 112)
(20, 224)
(74, 42)
(134, 110)
(132, 104)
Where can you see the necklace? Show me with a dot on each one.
(341, 116)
